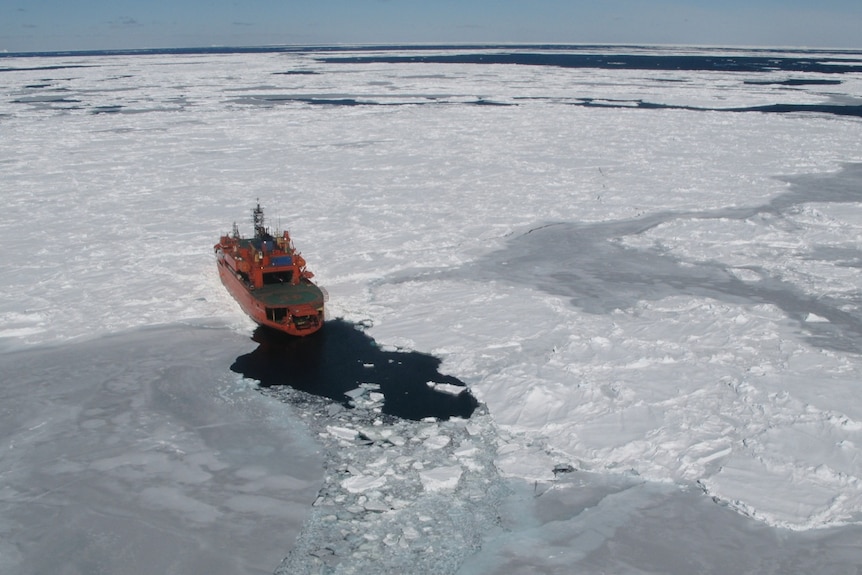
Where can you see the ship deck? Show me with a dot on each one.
(281, 295)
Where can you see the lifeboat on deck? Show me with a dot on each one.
(268, 278)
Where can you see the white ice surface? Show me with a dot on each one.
(672, 324)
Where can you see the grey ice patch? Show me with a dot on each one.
(590, 265)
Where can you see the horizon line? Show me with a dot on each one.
(274, 48)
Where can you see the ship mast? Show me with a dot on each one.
(257, 217)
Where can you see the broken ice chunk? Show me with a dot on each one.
(362, 483)
(377, 506)
(441, 478)
(396, 440)
(342, 432)
(446, 387)
(437, 442)
(466, 450)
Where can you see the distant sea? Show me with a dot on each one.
(799, 66)
(623, 57)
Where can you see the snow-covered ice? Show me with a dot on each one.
(645, 286)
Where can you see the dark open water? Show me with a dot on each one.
(803, 63)
(340, 357)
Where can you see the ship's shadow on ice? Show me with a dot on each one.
(341, 362)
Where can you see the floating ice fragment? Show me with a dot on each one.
(814, 318)
(342, 432)
(334, 408)
(446, 388)
(391, 539)
(362, 483)
(377, 506)
(380, 462)
(441, 478)
(396, 440)
(466, 451)
(372, 434)
(403, 460)
(437, 442)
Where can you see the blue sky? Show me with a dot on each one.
(46, 25)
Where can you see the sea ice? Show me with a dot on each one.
(667, 294)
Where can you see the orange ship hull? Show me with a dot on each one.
(268, 279)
